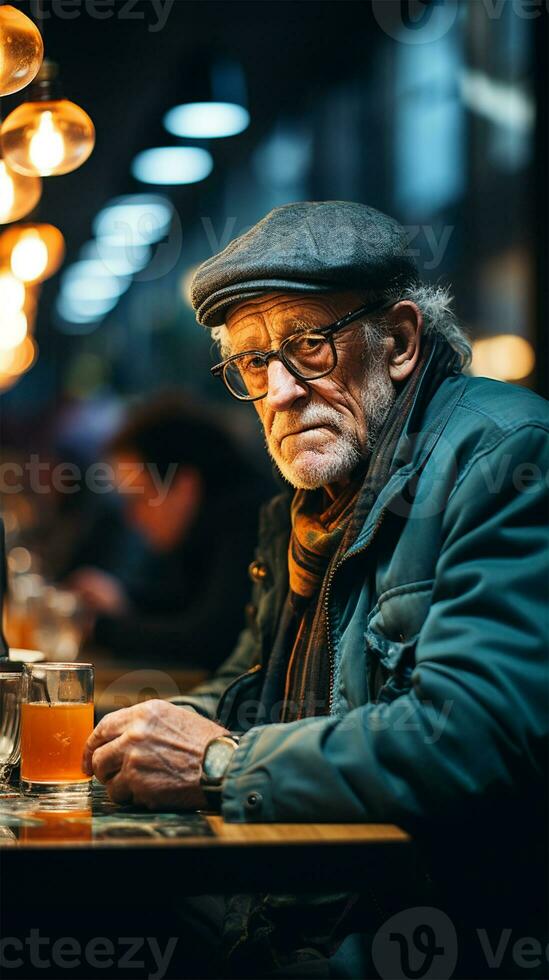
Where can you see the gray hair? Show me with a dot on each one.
(434, 301)
(220, 337)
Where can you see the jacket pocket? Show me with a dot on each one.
(238, 704)
(392, 633)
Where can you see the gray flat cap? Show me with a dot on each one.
(311, 246)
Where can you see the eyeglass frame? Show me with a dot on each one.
(327, 332)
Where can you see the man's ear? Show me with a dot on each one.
(405, 340)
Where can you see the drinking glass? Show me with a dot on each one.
(60, 625)
(10, 717)
(56, 720)
(23, 609)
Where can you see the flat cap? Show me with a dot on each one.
(310, 246)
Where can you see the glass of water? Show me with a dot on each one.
(10, 727)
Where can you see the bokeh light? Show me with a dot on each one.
(505, 357)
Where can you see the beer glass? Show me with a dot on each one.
(56, 720)
(10, 707)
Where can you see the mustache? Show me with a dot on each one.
(310, 415)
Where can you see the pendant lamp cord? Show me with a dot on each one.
(39, 15)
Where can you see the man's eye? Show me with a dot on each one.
(251, 363)
(308, 344)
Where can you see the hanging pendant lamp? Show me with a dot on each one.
(18, 194)
(47, 135)
(21, 50)
(34, 252)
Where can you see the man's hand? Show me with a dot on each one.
(99, 591)
(151, 754)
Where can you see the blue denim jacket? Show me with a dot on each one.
(438, 633)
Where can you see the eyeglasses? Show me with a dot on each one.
(307, 355)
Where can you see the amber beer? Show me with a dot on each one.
(56, 720)
(52, 741)
(58, 825)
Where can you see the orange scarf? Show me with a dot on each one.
(316, 535)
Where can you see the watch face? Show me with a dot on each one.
(217, 758)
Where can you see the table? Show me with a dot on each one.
(50, 845)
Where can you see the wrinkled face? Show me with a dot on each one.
(316, 431)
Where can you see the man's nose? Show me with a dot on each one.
(283, 389)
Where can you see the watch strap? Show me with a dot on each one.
(212, 795)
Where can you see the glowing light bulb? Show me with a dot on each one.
(21, 50)
(47, 138)
(12, 295)
(14, 361)
(29, 258)
(47, 146)
(33, 252)
(7, 192)
(18, 195)
(13, 330)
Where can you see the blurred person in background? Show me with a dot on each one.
(70, 525)
(193, 499)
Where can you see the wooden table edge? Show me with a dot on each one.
(231, 835)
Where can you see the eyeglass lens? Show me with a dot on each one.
(309, 355)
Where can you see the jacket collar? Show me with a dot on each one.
(420, 434)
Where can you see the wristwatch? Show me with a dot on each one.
(215, 763)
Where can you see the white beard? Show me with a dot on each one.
(344, 453)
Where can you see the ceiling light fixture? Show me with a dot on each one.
(133, 220)
(13, 329)
(207, 120)
(117, 260)
(172, 165)
(18, 194)
(34, 252)
(81, 312)
(47, 135)
(21, 50)
(90, 280)
(12, 294)
(15, 361)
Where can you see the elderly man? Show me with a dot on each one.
(394, 667)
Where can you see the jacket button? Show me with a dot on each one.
(258, 571)
(254, 801)
(251, 613)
